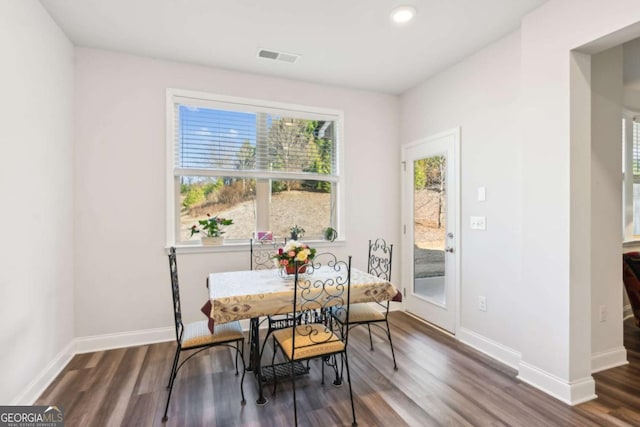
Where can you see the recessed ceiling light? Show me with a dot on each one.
(403, 14)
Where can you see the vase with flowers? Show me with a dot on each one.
(294, 251)
(211, 229)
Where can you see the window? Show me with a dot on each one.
(631, 171)
(264, 165)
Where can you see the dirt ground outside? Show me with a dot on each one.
(307, 209)
(429, 238)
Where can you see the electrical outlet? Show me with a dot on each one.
(482, 303)
(603, 313)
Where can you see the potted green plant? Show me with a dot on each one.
(330, 234)
(296, 232)
(211, 229)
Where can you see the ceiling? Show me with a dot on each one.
(349, 43)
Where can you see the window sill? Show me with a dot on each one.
(244, 246)
(631, 242)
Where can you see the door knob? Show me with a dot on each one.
(448, 249)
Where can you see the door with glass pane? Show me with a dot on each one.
(431, 229)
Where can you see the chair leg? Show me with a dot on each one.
(393, 353)
(238, 343)
(338, 381)
(174, 372)
(273, 368)
(353, 408)
(175, 363)
(240, 349)
(293, 384)
(370, 339)
(251, 338)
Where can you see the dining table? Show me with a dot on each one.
(255, 294)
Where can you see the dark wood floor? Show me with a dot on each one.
(440, 382)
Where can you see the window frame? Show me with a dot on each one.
(628, 178)
(233, 103)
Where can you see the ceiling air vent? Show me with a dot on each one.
(278, 56)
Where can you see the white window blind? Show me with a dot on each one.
(636, 151)
(283, 144)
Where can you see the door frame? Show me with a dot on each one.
(406, 260)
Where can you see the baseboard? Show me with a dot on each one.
(431, 325)
(123, 339)
(493, 349)
(608, 359)
(46, 376)
(396, 306)
(571, 393)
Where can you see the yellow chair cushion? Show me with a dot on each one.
(364, 313)
(197, 333)
(318, 342)
(359, 313)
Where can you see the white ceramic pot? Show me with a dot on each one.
(212, 241)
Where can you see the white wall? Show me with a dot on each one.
(631, 68)
(36, 188)
(555, 217)
(606, 209)
(539, 178)
(480, 94)
(122, 279)
(632, 75)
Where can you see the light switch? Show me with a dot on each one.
(482, 194)
(478, 223)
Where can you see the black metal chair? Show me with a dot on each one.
(262, 253)
(322, 292)
(196, 335)
(379, 264)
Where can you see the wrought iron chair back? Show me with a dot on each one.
(378, 264)
(380, 256)
(175, 290)
(322, 290)
(261, 254)
(194, 339)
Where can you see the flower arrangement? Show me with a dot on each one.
(211, 227)
(293, 251)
